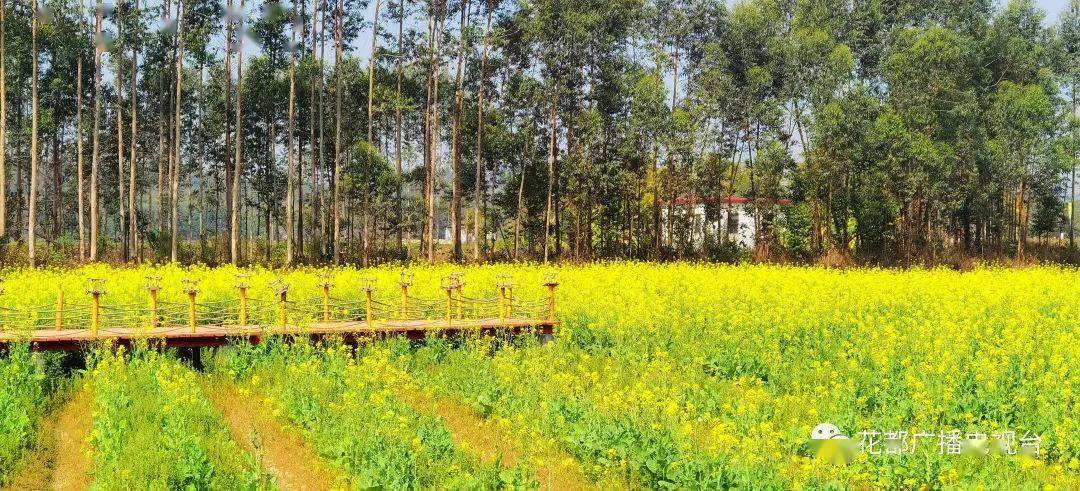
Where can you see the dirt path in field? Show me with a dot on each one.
(282, 453)
(483, 438)
(61, 457)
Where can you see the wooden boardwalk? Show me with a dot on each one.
(220, 335)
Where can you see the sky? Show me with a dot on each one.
(362, 43)
(1053, 8)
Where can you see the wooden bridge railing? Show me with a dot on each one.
(370, 312)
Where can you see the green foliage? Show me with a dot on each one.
(345, 406)
(22, 403)
(153, 428)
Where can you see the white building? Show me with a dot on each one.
(742, 225)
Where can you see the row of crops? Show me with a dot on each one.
(673, 375)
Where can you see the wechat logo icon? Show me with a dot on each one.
(827, 431)
(827, 443)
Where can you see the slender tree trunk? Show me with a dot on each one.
(289, 219)
(227, 192)
(31, 218)
(95, 151)
(397, 126)
(455, 147)
(371, 73)
(175, 177)
(433, 129)
(429, 82)
(1072, 174)
(324, 211)
(1021, 220)
(478, 229)
(339, 19)
(3, 118)
(300, 167)
(521, 192)
(58, 182)
(552, 147)
(371, 115)
(311, 121)
(269, 176)
(121, 201)
(234, 242)
(78, 134)
(133, 216)
(161, 157)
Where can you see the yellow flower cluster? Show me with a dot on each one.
(664, 374)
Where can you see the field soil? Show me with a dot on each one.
(282, 453)
(471, 432)
(60, 459)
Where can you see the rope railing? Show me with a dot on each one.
(161, 316)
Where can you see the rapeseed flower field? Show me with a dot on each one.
(681, 375)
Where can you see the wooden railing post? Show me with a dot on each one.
(448, 284)
(59, 309)
(153, 284)
(504, 283)
(368, 285)
(191, 310)
(326, 303)
(153, 309)
(243, 285)
(325, 284)
(95, 313)
(510, 301)
(551, 282)
(282, 290)
(283, 318)
(406, 280)
(95, 287)
(191, 287)
(502, 304)
(459, 282)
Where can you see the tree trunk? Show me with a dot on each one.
(433, 128)
(455, 148)
(1072, 174)
(521, 192)
(300, 167)
(58, 182)
(269, 175)
(1021, 221)
(371, 72)
(339, 19)
(227, 192)
(313, 146)
(291, 158)
(324, 218)
(121, 201)
(397, 127)
(161, 158)
(95, 150)
(31, 218)
(552, 147)
(133, 216)
(175, 177)
(478, 229)
(78, 135)
(429, 82)
(656, 201)
(370, 116)
(3, 122)
(234, 242)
